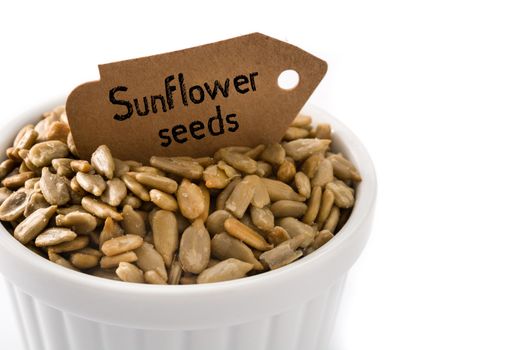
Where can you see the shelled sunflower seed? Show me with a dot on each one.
(176, 220)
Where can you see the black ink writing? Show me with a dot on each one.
(199, 130)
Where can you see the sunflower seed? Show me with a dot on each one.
(22, 133)
(13, 207)
(75, 187)
(57, 259)
(311, 164)
(121, 168)
(207, 202)
(86, 258)
(262, 218)
(215, 177)
(162, 183)
(324, 173)
(63, 170)
(134, 222)
(16, 181)
(100, 209)
(12, 153)
(241, 197)
(313, 206)
(239, 161)
(31, 226)
(165, 235)
(204, 161)
(239, 230)
(6, 167)
(111, 261)
(144, 169)
(175, 272)
(70, 209)
(263, 169)
(129, 273)
(54, 236)
(135, 187)
(121, 244)
(133, 164)
(54, 188)
(295, 228)
(25, 134)
(226, 270)
(43, 153)
(115, 192)
(26, 166)
(332, 220)
(224, 246)
(281, 191)
(163, 200)
(294, 133)
(285, 208)
(230, 171)
(132, 201)
(153, 277)
(150, 259)
(302, 121)
(261, 198)
(110, 230)
(236, 149)
(76, 244)
(323, 131)
(304, 148)
(280, 256)
(343, 195)
(58, 131)
(255, 152)
(190, 199)
(278, 235)
(80, 222)
(26, 137)
(302, 183)
(274, 154)
(215, 221)
(183, 167)
(80, 166)
(71, 145)
(195, 246)
(344, 169)
(327, 201)
(220, 202)
(103, 162)
(321, 239)
(94, 184)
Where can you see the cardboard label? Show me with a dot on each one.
(194, 101)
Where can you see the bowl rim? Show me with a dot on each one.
(365, 200)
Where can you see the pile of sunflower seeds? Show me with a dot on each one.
(177, 220)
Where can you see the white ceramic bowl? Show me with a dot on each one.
(290, 308)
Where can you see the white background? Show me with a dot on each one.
(435, 90)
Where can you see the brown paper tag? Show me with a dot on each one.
(194, 101)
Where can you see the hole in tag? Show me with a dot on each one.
(288, 79)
